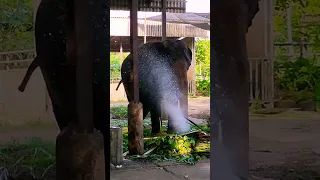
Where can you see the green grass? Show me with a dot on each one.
(34, 158)
(119, 112)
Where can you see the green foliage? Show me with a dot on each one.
(16, 25)
(203, 66)
(296, 79)
(203, 87)
(114, 65)
(175, 148)
(300, 9)
(175, 145)
(36, 156)
(297, 96)
(299, 75)
(119, 112)
(203, 57)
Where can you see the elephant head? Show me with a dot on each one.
(178, 50)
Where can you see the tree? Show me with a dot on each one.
(203, 57)
(16, 25)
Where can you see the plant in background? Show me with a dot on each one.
(203, 66)
(16, 25)
(203, 57)
(114, 65)
(299, 75)
(203, 87)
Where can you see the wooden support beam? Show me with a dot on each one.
(134, 47)
(84, 55)
(164, 20)
(135, 111)
(229, 150)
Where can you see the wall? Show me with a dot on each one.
(119, 95)
(14, 104)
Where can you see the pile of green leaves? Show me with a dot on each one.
(164, 147)
(174, 145)
(176, 148)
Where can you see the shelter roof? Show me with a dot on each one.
(176, 6)
(120, 26)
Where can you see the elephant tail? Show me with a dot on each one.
(33, 66)
(119, 85)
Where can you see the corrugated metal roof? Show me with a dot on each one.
(187, 17)
(200, 20)
(121, 27)
(176, 6)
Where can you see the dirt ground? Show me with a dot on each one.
(282, 146)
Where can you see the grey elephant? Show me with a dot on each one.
(162, 75)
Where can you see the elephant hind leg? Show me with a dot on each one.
(146, 110)
(155, 120)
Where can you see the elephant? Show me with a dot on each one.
(162, 75)
(59, 72)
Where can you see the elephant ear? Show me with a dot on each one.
(183, 51)
(178, 50)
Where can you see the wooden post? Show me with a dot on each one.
(116, 146)
(134, 41)
(84, 40)
(229, 149)
(80, 148)
(135, 112)
(164, 20)
(135, 128)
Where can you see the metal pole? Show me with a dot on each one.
(270, 5)
(145, 27)
(289, 29)
(164, 20)
(121, 50)
(134, 47)
(84, 39)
